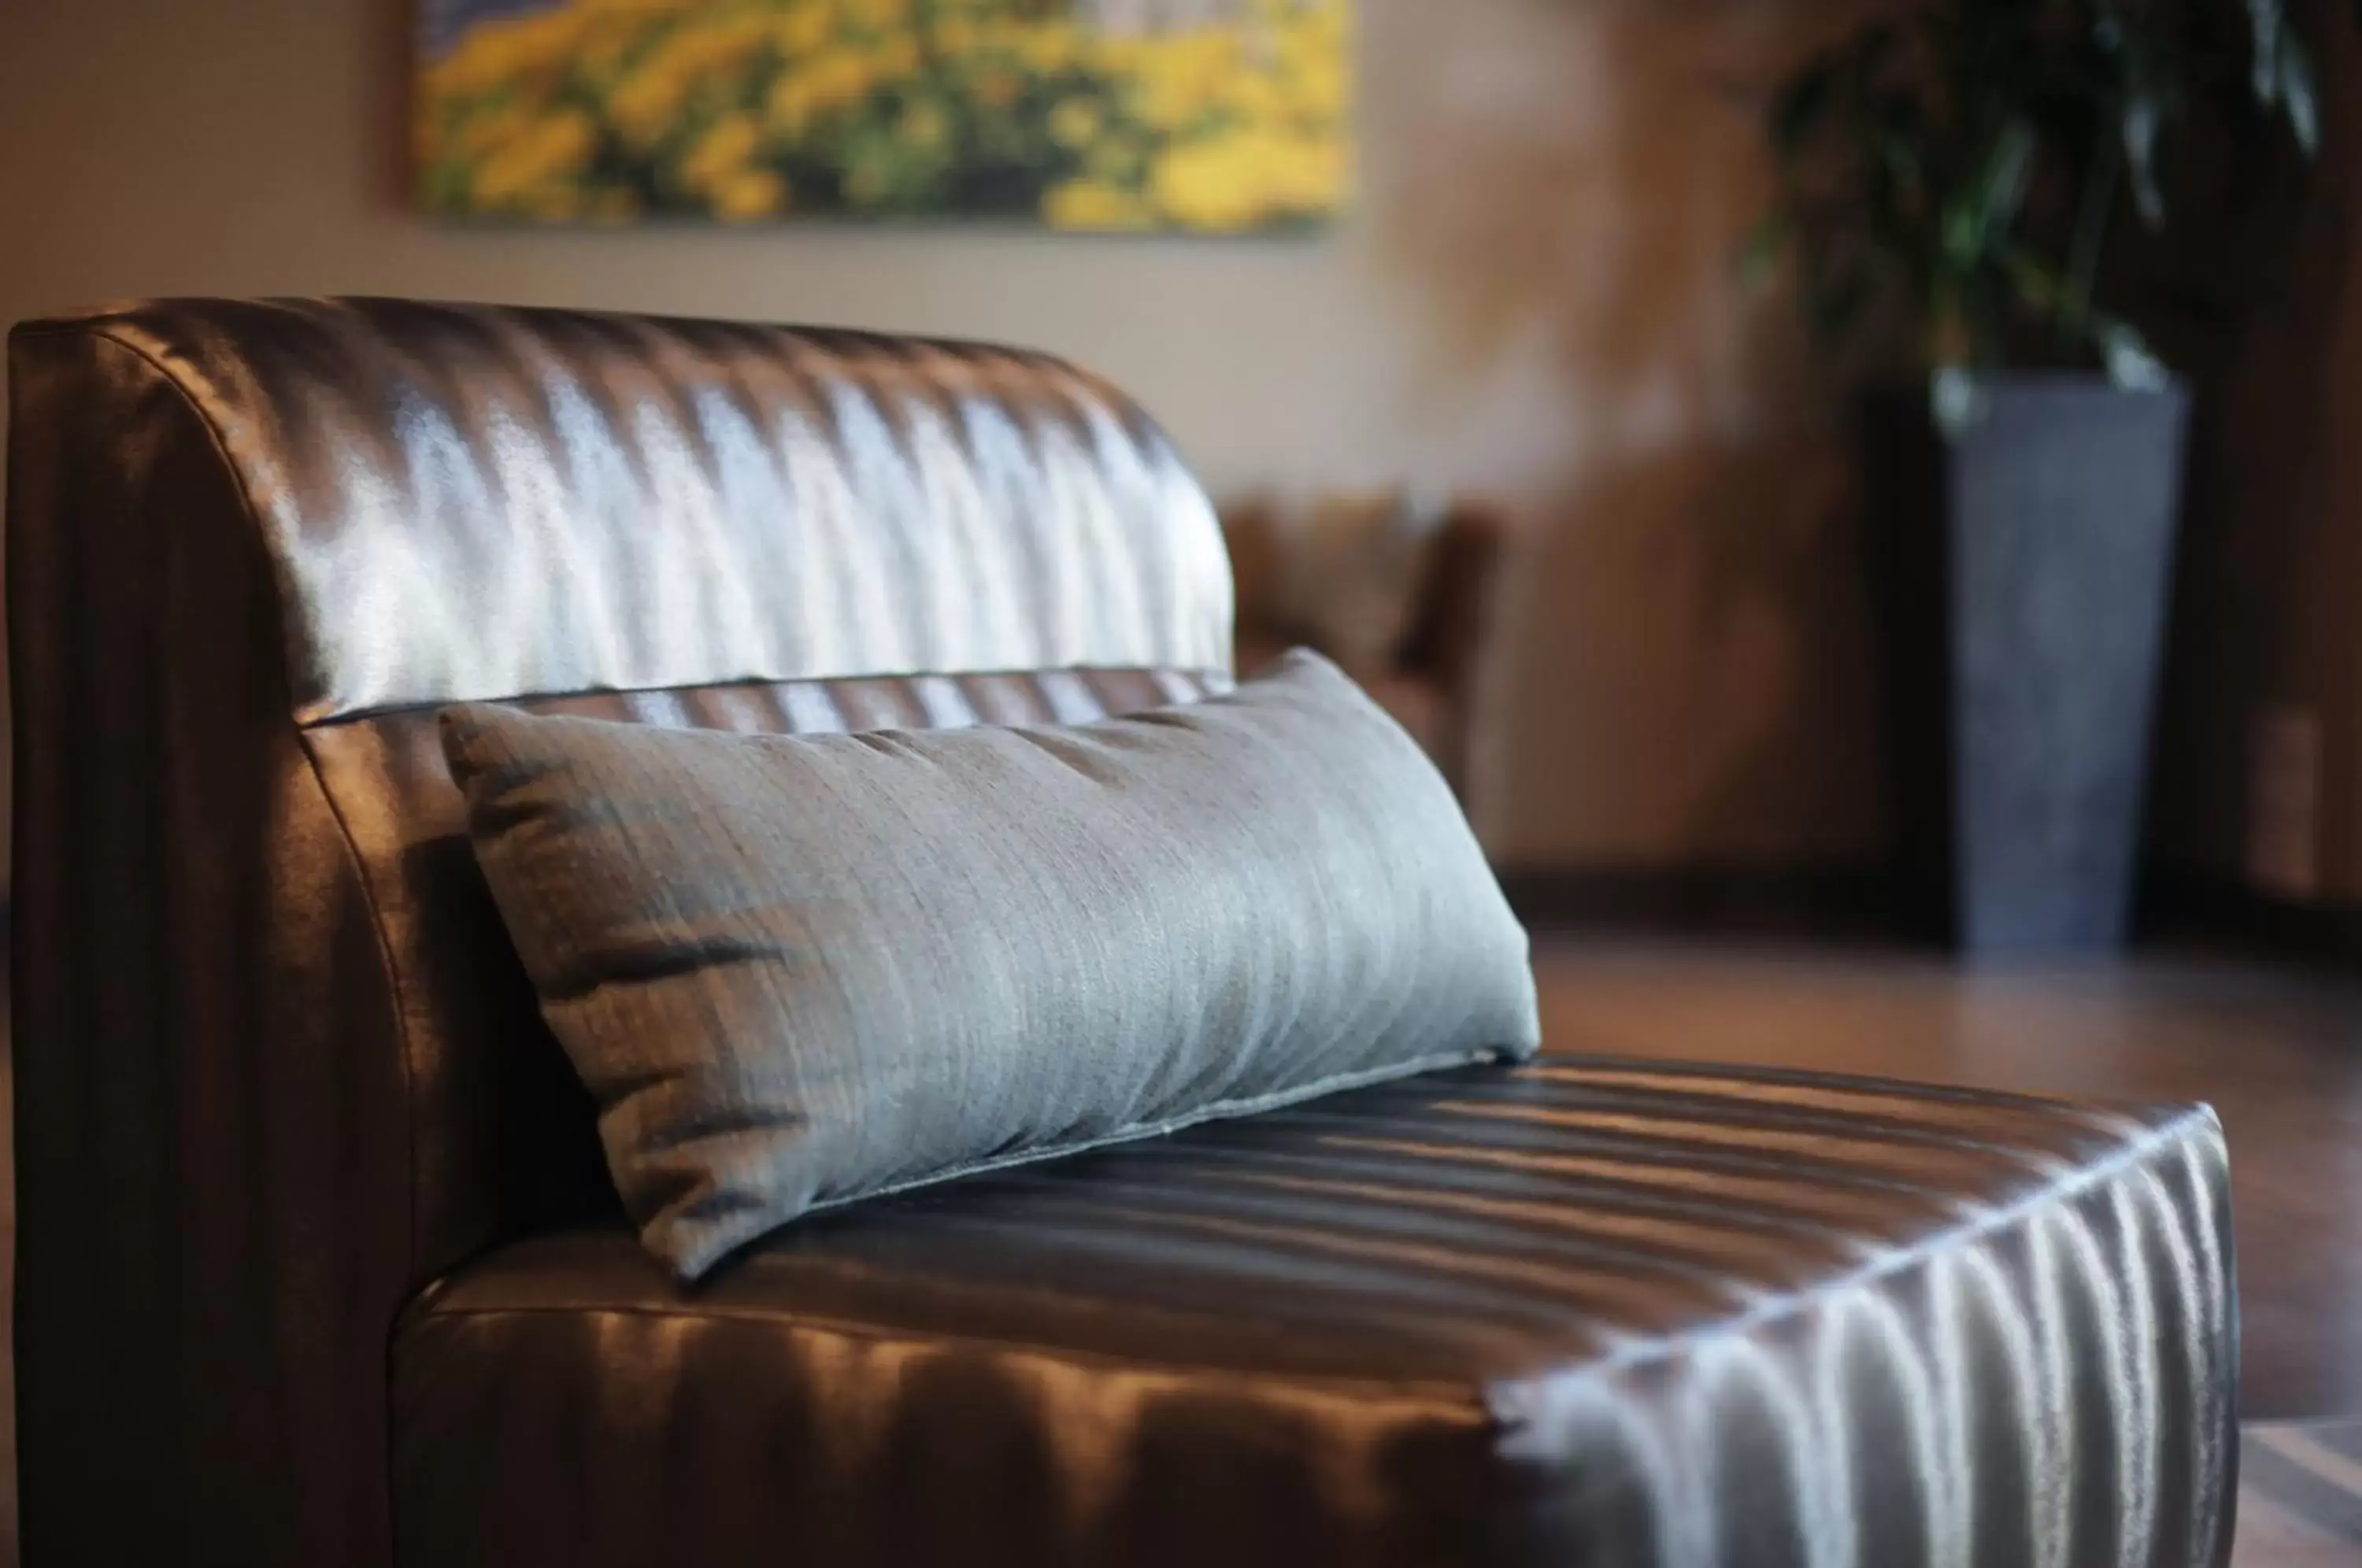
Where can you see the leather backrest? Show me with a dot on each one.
(469, 504)
(275, 1066)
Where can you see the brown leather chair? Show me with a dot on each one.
(318, 1265)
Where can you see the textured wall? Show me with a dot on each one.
(1535, 300)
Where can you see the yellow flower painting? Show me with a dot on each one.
(1204, 116)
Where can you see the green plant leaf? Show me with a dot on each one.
(2038, 284)
(2269, 26)
(1978, 217)
(2132, 365)
(2299, 95)
(1915, 150)
(1761, 253)
(1804, 103)
(2143, 122)
(2001, 188)
(1959, 399)
(2123, 352)
(1951, 336)
(2095, 209)
(1835, 305)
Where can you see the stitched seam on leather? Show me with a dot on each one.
(809, 333)
(1656, 1350)
(343, 830)
(303, 738)
(1216, 681)
(396, 993)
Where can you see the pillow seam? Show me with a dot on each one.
(1133, 1133)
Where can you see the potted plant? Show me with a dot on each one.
(1954, 175)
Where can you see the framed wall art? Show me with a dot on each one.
(1194, 116)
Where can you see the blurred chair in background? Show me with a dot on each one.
(1394, 586)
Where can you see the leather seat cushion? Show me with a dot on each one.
(1580, 1311)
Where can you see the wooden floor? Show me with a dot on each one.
(2278, 1051)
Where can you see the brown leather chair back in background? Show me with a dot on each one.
(277, 1069)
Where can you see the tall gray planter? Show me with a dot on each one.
(2024, 653)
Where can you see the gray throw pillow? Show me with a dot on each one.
(798, 970)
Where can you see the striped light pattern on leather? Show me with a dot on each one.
(1585, 1311)
(475, 502)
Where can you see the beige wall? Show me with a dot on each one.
(1535, 300)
